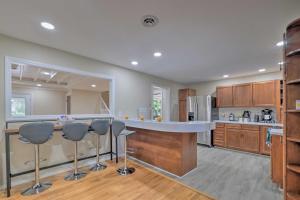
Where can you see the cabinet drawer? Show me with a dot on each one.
(219, 143)
(250, 127)
(234, 126)
(220, 125)
(219, 136)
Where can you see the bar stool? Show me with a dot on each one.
(75, 132)
(100, 127)
(36, 133)
(118, 129)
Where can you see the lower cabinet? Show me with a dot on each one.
(219, 135)
(233, 138)
(250, 138)
(277, 159)
(264, 148)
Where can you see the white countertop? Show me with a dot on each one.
(33, 118)
(250, 123)
(276, 131)
(179, 127)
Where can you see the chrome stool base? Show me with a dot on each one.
(124, 171)
(36, 189)
(73, 176)
(98, 167)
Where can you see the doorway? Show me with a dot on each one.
(160, 104)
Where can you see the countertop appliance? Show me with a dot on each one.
(231, 117)
(267, 115)
(202, 108)
(246, 117)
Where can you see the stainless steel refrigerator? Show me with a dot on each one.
(202, 108)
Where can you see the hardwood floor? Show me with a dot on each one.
(144, 184)
(232, 175)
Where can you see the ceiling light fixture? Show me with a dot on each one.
(157, 54)
(46, 73)
(47, 25)
(93, 85)
(226, 76)
(39, 85)
(281, 63)
(280, 43)
(134, 63)
(262, 70)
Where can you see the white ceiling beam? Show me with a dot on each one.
(21, 71)
(37, 74)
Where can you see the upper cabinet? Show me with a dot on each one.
(224, 96)
(242, 95)
(264, 93)
(259, 94)
(184, 93)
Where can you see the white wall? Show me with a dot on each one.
(209, 88)
(43, 101)
(133, 90)
(85, 102)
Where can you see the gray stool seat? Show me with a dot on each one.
(100, 127)
(36, 133)
(75, 132)
(119, 129)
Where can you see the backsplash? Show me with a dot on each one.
(238, 112)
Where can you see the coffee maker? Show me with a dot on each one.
(266, 115)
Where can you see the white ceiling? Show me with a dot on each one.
(200, 39)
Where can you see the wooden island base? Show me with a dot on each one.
(173, 152)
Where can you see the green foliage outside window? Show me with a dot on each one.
(156, 108)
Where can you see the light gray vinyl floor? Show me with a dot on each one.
(232, 175)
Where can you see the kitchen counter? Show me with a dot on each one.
(249, 123)
(170, 146)
(170, 126)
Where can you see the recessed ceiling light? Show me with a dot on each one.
(262, 70)
(46, 73)
(39, 85)
(280, 63)
(47, 25)
(280, 43)
(134, 63)
(93, 85)
(157, 54)
(226, 76)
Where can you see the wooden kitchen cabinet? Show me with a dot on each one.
(249, 140)
(224, 96)
(219, 135)
(242, 95)
(264, 93)
(242, 137)
(233, 138)
(182, 95)
(263, 147)
(277, 159)
(182, 111)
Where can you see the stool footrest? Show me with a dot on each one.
(36, 189)
(73, 176)
(126, 171)
(98, 167)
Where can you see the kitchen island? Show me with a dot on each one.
(170, 146)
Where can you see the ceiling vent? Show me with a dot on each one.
(150, 20)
